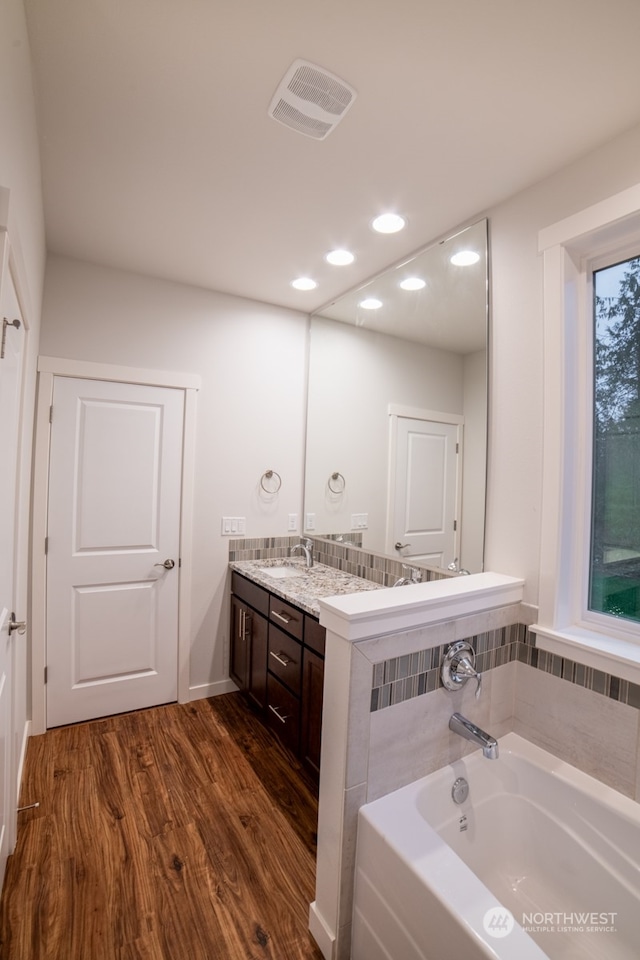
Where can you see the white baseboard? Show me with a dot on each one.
(26, 733)
(214, 689)
(318, 929)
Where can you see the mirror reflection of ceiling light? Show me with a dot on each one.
(304, 283)
(340, 258)
(388, 223)
(465, 258)
(413, 283)
(370, 303)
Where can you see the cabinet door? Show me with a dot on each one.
(257, 665)
(312, 692)
(239, 646)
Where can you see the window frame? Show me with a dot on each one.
(571, 249)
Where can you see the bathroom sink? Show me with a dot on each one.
(279, 573)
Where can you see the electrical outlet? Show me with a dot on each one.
(310, 522)
(293, 522)
(359, 521)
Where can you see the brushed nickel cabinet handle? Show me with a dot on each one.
(275, 710)
(281, 616)
(281, 657)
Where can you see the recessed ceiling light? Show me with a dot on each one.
(388, 223)
(465, 258)
(304, 283)
(370, 303)
(413, 283)
(340, 258)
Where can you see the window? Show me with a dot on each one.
(614, 575)
(589, 606)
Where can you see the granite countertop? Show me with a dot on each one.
(308, 586)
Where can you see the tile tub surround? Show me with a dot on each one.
(304, 591)
(411, 675)
(366, 754)
(376, 567)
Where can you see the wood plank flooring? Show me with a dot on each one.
(177, 832)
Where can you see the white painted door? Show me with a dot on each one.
(425, 501)
(10, 383)
(113, 520)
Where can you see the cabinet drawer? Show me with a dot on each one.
(285, 658)
(286, 617)
(283, 713)
(314, 635)
(250, 592)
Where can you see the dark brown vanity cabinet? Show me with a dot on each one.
(249, 638)
(277, 660)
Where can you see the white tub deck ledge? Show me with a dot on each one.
(361, 616)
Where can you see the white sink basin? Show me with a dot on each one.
(279, 573)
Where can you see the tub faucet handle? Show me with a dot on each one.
(459, 665)
(466, 669)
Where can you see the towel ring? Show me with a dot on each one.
(269, 475)
(336, 483)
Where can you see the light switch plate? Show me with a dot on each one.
(233, 526)
(311, 522)
(293, 522)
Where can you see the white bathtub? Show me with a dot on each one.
(555, 847)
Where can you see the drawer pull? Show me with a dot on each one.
(275, 710)
(281, 657)
(281, 616)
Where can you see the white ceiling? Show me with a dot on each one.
(159, 157)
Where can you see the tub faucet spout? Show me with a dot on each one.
(465, 728)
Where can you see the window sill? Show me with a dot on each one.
(618, 657)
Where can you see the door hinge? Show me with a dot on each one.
(51, 414)
(455, 524)
(46, 674)
(179, 561)
(457, 448)
(46, 546)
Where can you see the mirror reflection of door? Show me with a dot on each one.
(426, 457)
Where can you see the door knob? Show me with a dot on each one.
(400, 546)
(19, 625)
(168, 564)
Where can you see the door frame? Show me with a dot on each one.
(12, 264)
(396, 411)
(48, 368)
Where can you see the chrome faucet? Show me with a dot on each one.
(454, 568)
(465, 728)
(415, 576)
(306, 546)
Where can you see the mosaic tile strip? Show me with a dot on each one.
(411, 675)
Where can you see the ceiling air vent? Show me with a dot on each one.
(311, 100)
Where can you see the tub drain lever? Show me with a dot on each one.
(458, 666)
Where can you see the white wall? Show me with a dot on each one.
(250, 418)
(515, 431)
(21, 203)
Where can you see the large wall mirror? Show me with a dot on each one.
(397, 409)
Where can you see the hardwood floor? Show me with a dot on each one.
(177, 832)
